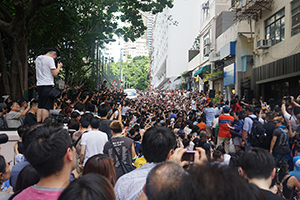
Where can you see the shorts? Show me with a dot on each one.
(44, 101)
(237, 141)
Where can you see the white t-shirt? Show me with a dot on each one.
(44, 65)
(193, 103)
(94, 141)
(125, 110)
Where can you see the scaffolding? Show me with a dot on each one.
(246, 9)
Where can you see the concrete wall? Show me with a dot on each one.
(194, 62)
(287, 47)
(187, 14)
(7, 149)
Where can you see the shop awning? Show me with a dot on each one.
(202, 70)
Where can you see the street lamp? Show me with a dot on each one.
(121, 55)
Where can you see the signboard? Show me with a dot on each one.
(229, 75)
(114, 83)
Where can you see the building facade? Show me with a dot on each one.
(173, 30)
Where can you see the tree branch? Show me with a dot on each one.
(5, 27)
(34, 5)
(6, 12)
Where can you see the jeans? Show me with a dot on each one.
(283, 156)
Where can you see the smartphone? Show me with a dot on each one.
(188, 156)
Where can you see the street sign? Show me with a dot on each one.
(114, 83)
(169, 82)
(120, 82)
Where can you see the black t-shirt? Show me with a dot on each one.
(3, 124)
(271, 196)
(104, 127)
(270, 127)
(30, 119)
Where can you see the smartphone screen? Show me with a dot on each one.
(188, 156)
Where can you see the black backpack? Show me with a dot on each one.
(258, 133)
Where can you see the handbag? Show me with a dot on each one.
(126, 168)
(236, 133)
(54, 93)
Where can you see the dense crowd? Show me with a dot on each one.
(102, 145)
(77, 143)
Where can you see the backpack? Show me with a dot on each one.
(258, 134)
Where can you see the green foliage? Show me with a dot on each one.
(135, 72)
(71, 25)
(183, 86)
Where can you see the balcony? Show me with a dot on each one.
(250, 8)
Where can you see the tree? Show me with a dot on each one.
(28, 27)
(135, 72)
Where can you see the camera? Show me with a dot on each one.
(287, 98)
(56, 62)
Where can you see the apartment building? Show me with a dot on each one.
(173, 31)
(206, 38)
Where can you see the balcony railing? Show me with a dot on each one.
(250, 8)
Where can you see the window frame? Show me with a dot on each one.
(272, 23)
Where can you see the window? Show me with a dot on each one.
(275, 26)
(206, 46)
(295, 17)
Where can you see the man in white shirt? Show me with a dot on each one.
(45, 70)
(92, 142)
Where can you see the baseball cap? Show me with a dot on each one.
(2, 105)
(226, 109)
(296, 161)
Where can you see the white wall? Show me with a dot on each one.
(289, 46)
(187, 14)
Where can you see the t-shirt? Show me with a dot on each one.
(94, 141)
(13, 120)
(295, 173)
(281, 144)
(271, 196)
(269, 127)
(193, 104)
(224, 130)
(30, 119)
(39, 193)
(210, 115)
(44, 65)
(125, 110)
(104, 127)
(3, 124)
(123, 146)
(248, 123)
(295, 126)
(201, 125)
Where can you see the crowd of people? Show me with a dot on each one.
(166, 144)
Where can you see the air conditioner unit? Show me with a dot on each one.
(207, 42)
(296, 21)
(205, 6)
(214, 56)
(263, 44)
(206, 50)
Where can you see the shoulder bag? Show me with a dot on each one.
(126, 168)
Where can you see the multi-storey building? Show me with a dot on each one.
(276, 47)
(174, 29)
(201, 63)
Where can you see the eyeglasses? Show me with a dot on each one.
(276, 123)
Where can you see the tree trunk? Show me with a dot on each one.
(19, 63)
(3, 69)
